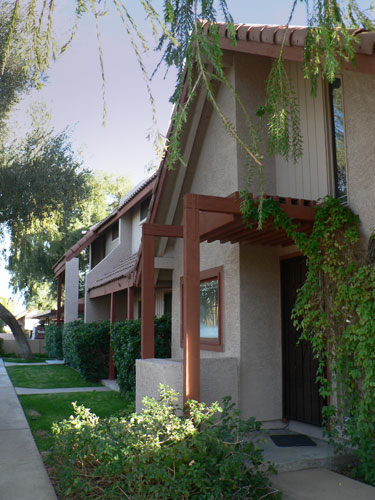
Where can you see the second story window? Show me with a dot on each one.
(338, 139)
(144, 209)
(115, 231)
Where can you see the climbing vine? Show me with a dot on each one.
(335, 313)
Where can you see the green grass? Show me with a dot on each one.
(47, 377)
(43, 409)
(12, 357)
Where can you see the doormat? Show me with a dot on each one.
(286, 440)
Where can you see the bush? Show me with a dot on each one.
(86, 348)
(53, 343)
(158, 454)
(2, 352)
(126, 345)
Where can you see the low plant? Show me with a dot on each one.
(208, 454)
(126, 345)
(86, 348)
(2, 352)
(53, 341)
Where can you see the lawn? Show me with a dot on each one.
(14, 358)
(43, 409)
(47, 377)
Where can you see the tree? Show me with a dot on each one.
(35, 252)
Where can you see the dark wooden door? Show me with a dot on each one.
(301, 397)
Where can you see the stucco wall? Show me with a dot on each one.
(260, 363)
(71, 290)
(359, 106)
(219, 378)
(97, 309)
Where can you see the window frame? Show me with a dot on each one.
(206, 344)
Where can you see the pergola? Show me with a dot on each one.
(205, 218)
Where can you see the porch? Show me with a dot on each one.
(205, 219)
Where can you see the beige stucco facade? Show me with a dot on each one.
(251, 303)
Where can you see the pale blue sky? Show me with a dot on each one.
(74, 97)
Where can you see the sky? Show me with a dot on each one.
(73, 92)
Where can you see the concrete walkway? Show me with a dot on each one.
(28, 390)
(22, 472)
(320, 484)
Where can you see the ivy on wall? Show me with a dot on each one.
(335, 312)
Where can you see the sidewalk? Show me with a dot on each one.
(22, 472)
(320, 484)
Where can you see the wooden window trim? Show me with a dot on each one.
(206, 344)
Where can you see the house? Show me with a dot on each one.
(113, 245)
(234, 288)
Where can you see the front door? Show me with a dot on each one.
(301, 397)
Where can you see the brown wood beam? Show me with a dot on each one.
(148, 296)
(130, 305)
(162, 230)
(112, 319)
(292, 53)
(191, 298)
(216, 204)
(112, 287)
(59, 289)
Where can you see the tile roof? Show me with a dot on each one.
(295, 36)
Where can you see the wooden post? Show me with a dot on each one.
(112, 319)
(148, 296)
(59, 287)
(130, 311)
(191, 298)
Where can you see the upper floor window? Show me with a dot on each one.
(144, 209)
(338, 139)
(115, 231)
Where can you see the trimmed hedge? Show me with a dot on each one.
(86, 348)
(53, 343)
(126, 345)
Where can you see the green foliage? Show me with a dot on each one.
(335, 312)
(160, 455)
(53, 341)
(86, 348)
(126, 345)
(2, 352)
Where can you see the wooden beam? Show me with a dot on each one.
(59, 288)
(216, 204)
(148, 296)
(112, 319)
(162, 230)
(293, 53)
(191, 298)
(130, 305)
(112, 287)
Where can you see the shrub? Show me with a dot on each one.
(158, 454)
(53, 343)
(2, 352)
(126, 345)
(86, 348)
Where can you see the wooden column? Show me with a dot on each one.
(59, 287)
(130, 308)
(148, 296)
(191, 298)
(112, 319)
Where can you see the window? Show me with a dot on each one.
(115, 231)
(210, 309)
(338, 139)
(144, 208)
(168, 303)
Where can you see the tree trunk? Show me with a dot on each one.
(22, 343)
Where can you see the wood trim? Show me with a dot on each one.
(112, 287)
(130, 303)
(191, 302)
(206, 344)
(290, 53)
(148, 297)
(162, 230)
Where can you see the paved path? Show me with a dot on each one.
(321, 484)
(22, 473)
(28, 390)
